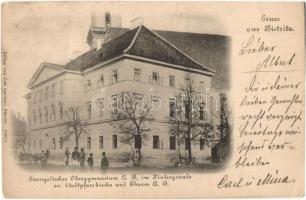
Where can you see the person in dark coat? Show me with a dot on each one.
(75, 155)
(43, 159)
(82, 158)
(67, 154)
(90, 161)
(104, 162)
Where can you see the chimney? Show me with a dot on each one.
(138, 21)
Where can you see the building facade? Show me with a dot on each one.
(120, 59)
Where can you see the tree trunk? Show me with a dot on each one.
(189, 148)
(76, 141)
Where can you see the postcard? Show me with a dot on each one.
(153, 99)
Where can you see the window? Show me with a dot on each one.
(53, 117)
(87, 86)
(34, 117)
(115, 76)
(172, 143)
(137, 74)
(61, 142)
(171, 81)
(202, 144)
(40, 116)
(53, 91)
(115, 141)
(41, 93)
(61, 87)
(100, 142)
(202, 85)
(46, 115)
(34, 144)
(156, 142)
(138, 142)
(156, 101)
(60, 110)
(99, 104)
(47, 93)
(88, 142)
(115, 105)
(34, 97)
(202, 112)
(187, 144)
(40, 144)
(88, 109)
(53, 143)
(171, 109)
(155, 79)
(101, 81)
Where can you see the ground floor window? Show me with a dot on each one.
(100, 142)
(89, 143)
(138, 142)
(172, 143)
(115, 141)
(53, 143)
(202, 144)
(34, 144)
(156, 142)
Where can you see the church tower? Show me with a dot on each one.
(100, 25)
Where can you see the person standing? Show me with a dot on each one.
(82, 158)
(43, 159)
(75, 155)
(104, 162)
(67, 154)
(90, 161)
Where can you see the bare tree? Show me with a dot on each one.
(74, 126)
(189, 123)
(130, 115)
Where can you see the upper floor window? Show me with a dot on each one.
(41, 93)
(202, 84)
(60, 110)
(115, 76)
(53, 90)
(53, 116)
(155, 79)
(171, 109)
(172, 81)
(61, 87)
(115, 105)
(137, 74)
(47, 93)
(202, 112)
(46, 114)
(34, 117)
(61, 142)
(101, 81)
(87, 85)
(89, 109)
(34, 97)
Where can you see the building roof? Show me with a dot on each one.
(142, 42)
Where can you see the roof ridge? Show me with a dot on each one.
(118, 36)
(165, 40)
(133, 40)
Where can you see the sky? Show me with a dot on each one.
(56, 32)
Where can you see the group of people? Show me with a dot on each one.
(78, 158)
